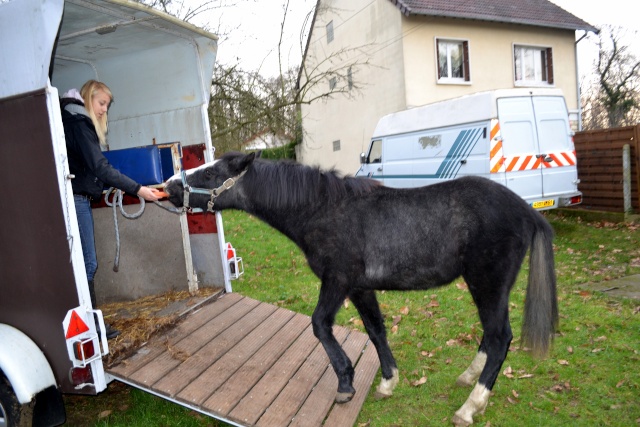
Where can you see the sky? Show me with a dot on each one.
(256, 29)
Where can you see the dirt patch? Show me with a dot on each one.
(625, 287)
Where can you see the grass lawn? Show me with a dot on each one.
(591, 378)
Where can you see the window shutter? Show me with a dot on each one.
(438, 58)
(465, 61)
(549, 66)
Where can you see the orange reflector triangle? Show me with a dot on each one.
(76, 326)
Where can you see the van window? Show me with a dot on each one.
(375, 153)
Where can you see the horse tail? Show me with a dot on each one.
(541, 304)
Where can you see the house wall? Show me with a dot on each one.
(491, 57)
(400, 70)
(375, 29)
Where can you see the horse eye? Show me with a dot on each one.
(208, 173)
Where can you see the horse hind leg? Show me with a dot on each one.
(492, 303)
(367, 305)
(497, 340)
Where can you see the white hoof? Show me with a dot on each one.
(385, 388)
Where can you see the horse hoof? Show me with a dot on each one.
(342, 397)
(459, 422)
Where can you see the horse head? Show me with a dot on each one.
(216, 177)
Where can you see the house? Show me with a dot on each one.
(383, 56)
(266, 139)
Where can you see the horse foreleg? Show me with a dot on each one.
(322, 320)
(369, 310)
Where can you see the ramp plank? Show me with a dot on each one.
(320, 400)
(252, 364)
(217, 374)
(194, 321)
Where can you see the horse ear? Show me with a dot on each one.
(258, 154)
(243, 162)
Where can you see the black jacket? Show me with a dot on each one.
(91, 168)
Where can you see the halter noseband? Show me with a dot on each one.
(214, 193)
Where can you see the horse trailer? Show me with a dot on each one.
(520, 138)
(160, 70)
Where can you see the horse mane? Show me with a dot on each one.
(287, 184)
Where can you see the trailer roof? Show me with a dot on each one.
(90, 32)
(135, 27)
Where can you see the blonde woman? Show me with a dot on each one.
(84, 116)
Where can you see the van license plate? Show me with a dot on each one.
(543, 204)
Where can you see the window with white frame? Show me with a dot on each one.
(336, 145)
(533, 65)
(453, 61)
(330, 32)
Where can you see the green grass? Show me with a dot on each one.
(591, 377)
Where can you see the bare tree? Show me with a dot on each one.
(612, 100)
(245, 103)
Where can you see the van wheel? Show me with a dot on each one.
(12, 413)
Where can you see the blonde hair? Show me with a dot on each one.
(88, 91)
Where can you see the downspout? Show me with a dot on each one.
(578, 80)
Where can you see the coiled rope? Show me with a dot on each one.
(117, 202)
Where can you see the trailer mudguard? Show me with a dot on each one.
(24, 364)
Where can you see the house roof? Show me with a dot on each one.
(540, 13)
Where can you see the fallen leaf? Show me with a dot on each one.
(394, 329)
(525, 376)
(462, 286)
(105, 414)
(404, 310)
(599, 339)
(570, 350)
(508, 372)
(433, 303)
(563, 362)
(396, 320)
(419, 382)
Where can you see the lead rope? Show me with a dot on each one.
(117, 201)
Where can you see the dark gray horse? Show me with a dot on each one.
(359, 237)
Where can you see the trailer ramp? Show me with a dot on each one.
(249, 363)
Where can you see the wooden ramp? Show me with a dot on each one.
(251, 364)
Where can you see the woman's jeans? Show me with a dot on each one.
(85, 223)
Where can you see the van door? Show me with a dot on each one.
(539, 160)
(371, 162)
(558, 167)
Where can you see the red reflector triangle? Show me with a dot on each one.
(76, 326)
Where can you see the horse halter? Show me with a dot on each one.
(214, 193)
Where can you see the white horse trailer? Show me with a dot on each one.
(160, 70)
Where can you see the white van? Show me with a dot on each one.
(520, 138)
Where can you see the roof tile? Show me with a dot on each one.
(541, 13)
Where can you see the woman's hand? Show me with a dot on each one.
(149, 194)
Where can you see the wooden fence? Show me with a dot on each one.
(599, 154)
